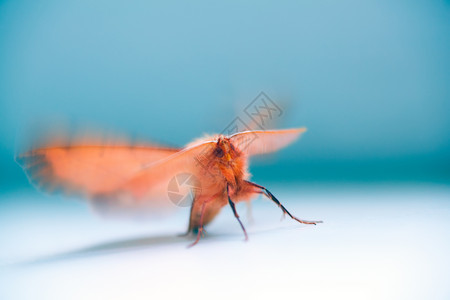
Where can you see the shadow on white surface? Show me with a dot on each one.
(375, 243)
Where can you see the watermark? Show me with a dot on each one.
(263, 110)
(260, 113)
(238, 125)
(235, 126)
(183, 188)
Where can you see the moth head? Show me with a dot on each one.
(224, 150)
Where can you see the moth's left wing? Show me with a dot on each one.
(87, 170)
(264, 141)
(149, 188)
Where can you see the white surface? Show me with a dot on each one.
(376, 243)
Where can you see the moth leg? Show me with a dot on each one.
(190, 227)
(233, 208)
(277, 202)
(200, 228)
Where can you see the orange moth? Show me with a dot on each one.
(135, 178)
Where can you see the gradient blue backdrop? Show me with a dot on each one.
(370, 79)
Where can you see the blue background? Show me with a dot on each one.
(370, 79)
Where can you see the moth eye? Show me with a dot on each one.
(218, 152)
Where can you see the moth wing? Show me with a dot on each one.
(264, 141)
(159, 184)
(87, 170)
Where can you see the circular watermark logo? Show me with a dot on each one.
(182, 189)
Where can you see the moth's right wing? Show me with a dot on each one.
(255, 142)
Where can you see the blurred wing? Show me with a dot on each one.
(264, 141)
(87, 170)
(150, 187)
(150, 179)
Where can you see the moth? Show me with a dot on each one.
(135, 178)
